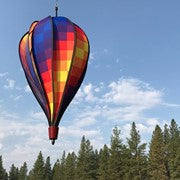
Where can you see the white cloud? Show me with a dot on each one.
(152, 122)
(3, 74)
(37, 115)
(18, 97)
(86, 93)
(21, 141)
(133, 92)
(10, 84)
(92, 56)
(27, 89)
(88, 121)
(125, 99)
(88, 90)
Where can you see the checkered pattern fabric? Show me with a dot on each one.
(54, 56)
(63, 52)
(30, 74)
(78, 68)
(43, 55)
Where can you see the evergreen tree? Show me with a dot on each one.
(95, 164)
(38, 170)
(80, 172)
(13, 173)
(23, 172)
(48, 171)
(137, 161)
(115, 159)
(157, 169)
(86, 162)
(3, 173)
(173, 151)
(166, 136)
(70, 166)
(62, 166)
(126, 158)
(1, 169)
(56, 170)
(103, 173)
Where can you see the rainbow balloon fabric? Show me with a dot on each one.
(54, 55)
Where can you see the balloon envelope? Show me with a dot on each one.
(54, 55)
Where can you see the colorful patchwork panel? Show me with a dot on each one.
(78, 69)
(63, 52)
(54, 56)
(43, 55)
(31, 78)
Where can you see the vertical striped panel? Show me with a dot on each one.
(63, 52)
(78, 69)
(43, 56)
(31, 78)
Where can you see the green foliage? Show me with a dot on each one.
(174, 150)
(138, 159)
(56, 170)
(86, 162)
(166, 136)
(103, 173)
(3, 173)
(157, 169)
(13, 173)
(62, 166)
(23, 172)
(70, 166)
(48, 171)
(115, 159)
(38, 171)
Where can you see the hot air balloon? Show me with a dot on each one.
(54, 55)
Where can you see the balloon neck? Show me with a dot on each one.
(53, 133)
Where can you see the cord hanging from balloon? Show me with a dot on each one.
(56, 8)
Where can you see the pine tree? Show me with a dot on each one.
(56, 170)
(173, 151)
(95, 164)
(80, 172)
(3, 173)
(48, 171)
(23, 172)
(126, 162)
(62, 166)
(138, 163)
(13, 173)
(70, 166)
(38, 170)
(115, 159)
(157, 169)
(166, 136)
(1, 169)
(103, 173)
(86, 162)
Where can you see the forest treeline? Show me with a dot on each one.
(130, 161)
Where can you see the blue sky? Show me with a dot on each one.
(133, 75)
